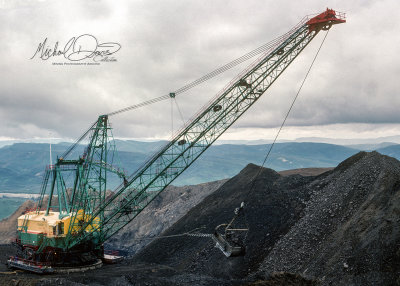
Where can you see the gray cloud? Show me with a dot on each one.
(166, 44)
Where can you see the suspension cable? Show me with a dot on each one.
(172, 117)
(287, 115)
(179, 110)
(80, 139)
(212, 74)
(245, 57)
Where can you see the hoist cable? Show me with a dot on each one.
(287, 115)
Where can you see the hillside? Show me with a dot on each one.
(22, 164)
(350, 232)
(161, 213)
(340, 228)
(8, 226)
(392, 151)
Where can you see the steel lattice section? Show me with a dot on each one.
(130, 200)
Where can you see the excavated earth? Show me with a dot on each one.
(338, 228)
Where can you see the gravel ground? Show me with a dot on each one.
(163, 212)
(350, 232)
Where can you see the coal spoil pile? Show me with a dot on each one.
(349, 233)
(274, 205)
(338, 228)
(163, 212)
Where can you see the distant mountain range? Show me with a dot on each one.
(22, 164)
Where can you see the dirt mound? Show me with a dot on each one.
(161, 213)
(350, 232)
(341, 228)
(273, 207)
(8, 226)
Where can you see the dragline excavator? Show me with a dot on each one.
(76, 214)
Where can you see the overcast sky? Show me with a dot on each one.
(352, 91)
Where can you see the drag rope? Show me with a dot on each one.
(189, 233)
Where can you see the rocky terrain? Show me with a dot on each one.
(337, 228)
(163, 212)
(350, 231)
